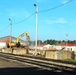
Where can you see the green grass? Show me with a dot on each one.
(35, 56)
(72, 60)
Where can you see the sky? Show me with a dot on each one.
(54, 21)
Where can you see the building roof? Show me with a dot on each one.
(7, 37)
(41, 45)
(13, 38)
(69, 44)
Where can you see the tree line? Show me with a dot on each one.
(55, 42)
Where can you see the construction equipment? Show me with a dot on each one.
(17, 43)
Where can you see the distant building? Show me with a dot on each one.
(42, 46)
(6, 39)
(69, 46)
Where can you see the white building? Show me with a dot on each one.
(59, 47)
(42, 47)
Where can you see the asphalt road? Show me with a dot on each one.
(8, 67)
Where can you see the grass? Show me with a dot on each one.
(72, 60)
(40, 56)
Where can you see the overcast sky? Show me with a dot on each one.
(52, 23)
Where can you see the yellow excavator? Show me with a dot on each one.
(17, 43)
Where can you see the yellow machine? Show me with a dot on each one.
(17, 43)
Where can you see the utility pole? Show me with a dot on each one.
(66, 40)
(10, 31)
(36, 28)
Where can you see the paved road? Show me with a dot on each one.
(4, 63)
(8, 67)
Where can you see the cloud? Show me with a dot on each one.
(64, 1)
(59, 20)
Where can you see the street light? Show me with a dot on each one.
(36, 28)
(10, 31)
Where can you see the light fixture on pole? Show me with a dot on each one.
(36, 28)
(10, 31)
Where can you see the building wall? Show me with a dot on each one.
(6, 40)
(63, 54)
(71, 48)
(54, 54)
(51, 54)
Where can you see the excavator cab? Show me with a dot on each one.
(18, 44)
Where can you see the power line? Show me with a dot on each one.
(44, 11)
(56, 6)
(24, 19)
(18, 22)
(4, 28)
(39, 12)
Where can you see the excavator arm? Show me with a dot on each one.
(27, 38)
